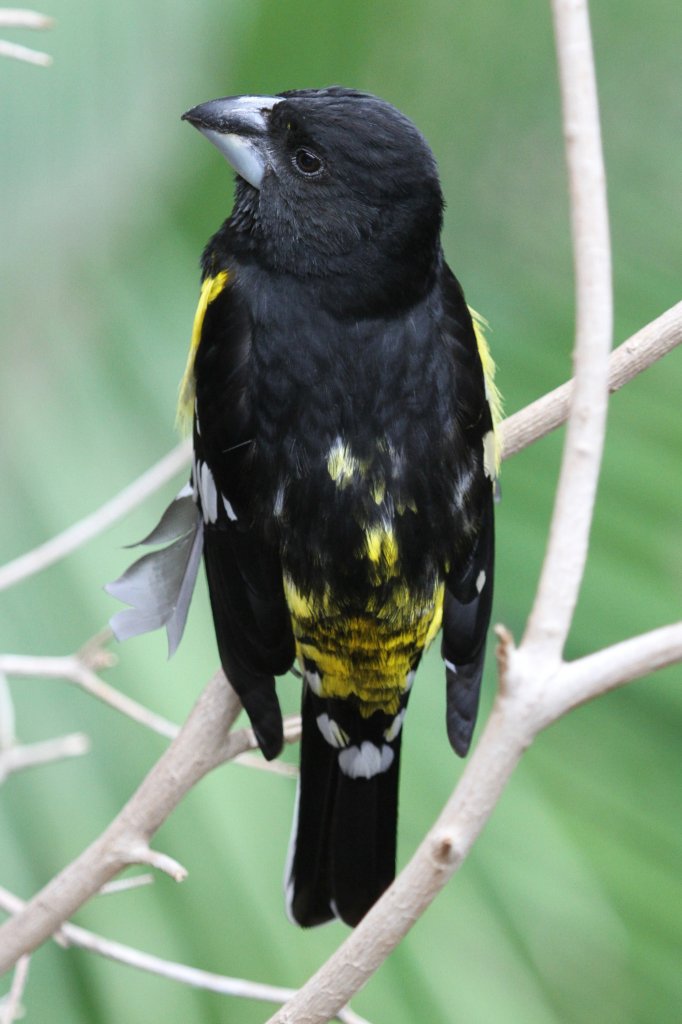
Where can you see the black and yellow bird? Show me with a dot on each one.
(343, 411)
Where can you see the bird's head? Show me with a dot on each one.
(330, 182)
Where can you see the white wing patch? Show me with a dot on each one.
(365, 761)
(332, 732)
(207, 492)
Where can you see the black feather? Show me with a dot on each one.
(344, 841)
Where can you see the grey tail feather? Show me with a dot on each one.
(159, 586)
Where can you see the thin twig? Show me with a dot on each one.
(31, 755)
(73, 670)
(7, 720)
(75, 536)
(126, 884)
(74, 935)
(10, 1007)
(11, 17)
(24, 53)
(636, 354)
(203, 743)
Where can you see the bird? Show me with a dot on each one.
(341, 399)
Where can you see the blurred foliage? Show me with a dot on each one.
(568, 909)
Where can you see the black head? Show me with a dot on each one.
(331, 182)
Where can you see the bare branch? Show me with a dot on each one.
(636, 354)
(7, 722)
(24, 53)
(564, 563)
(73, 935)
(75, 536)
(78, 669)
(613, 666)
(203, 743)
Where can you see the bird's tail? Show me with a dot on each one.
(343, 843)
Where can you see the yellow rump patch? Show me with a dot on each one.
(368, 656)
(211, 287)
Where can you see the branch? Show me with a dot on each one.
(78, 669)
(30, 755)
(73, 935)
(202, 744)
(14, 18)
(627, 361)
(125, 884)
(564, 563)
(511, 727)
(75, 536)
(10, 1007)
(7, 724)
(613, 666)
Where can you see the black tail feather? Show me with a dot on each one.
(363, 841)
(344, 835)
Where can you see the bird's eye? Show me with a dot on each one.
(307, 162)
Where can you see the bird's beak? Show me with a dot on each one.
(237, 126)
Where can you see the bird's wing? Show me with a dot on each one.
(243, 568)
(469, 582)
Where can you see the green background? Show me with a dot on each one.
(569, 909)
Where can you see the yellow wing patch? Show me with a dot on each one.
(492, 391)
(210, 289)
